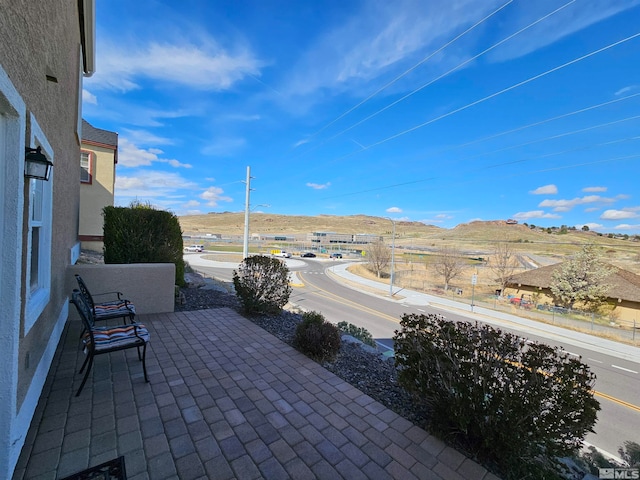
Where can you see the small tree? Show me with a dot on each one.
(262, 284)
(581, 279)
(379, 256)
(449, 264)
(503, 264)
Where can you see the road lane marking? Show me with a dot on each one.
(326, 294)
(573, 354)
(594, 360)
(617, 400)
(625, 369)
(421, 310)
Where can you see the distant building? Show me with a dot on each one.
(327, 238)
(624, 294)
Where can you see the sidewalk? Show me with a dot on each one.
(493, 317)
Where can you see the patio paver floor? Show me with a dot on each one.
(225, 400)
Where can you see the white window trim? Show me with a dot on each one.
(89, 170)
(37, 300)
(12, 433)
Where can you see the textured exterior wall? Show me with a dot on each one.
(41, 39)
(96, 195)
(150, 286)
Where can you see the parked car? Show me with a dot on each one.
(336, 255)
(521, 302)
(308, 255)
(194, 248)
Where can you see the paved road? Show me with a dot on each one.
(617, 366)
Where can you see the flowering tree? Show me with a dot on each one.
(581, 279)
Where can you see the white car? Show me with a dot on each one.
(283, 254)
(194, 248)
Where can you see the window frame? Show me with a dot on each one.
(38, 292)
(89, 170)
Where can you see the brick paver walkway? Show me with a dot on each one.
(225, 400)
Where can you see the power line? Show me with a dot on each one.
(504, 164)
(498, 93)
(406, 72)
(457, 67)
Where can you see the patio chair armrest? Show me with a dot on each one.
(119, 294)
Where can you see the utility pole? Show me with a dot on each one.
(393, 252)
(245, 247)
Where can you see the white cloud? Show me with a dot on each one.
(594, 189)
(566, 205)
(224, 147)
(380, 36)
(534, 214)
(88, 97)
(151, 183)
(191, 204)
(207, 66)
(545, 190)
(214, 195)
(626, 89)
(144, 137)
(176, 163)
(129, 155)
(619, 214)
(562, 24)
(394, 210)
(319, 186)
(592, 226)
(626, 226)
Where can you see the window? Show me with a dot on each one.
(85, 167)
(39, 240)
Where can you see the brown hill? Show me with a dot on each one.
(478, 236)
(233, 224)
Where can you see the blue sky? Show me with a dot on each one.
(440, 111)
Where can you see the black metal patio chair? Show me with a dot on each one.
(118, 308)
(99, 340)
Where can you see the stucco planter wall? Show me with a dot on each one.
(150, 286)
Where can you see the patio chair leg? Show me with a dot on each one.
(86, 375)
(139, 356)
(84, 364)
(144, 362)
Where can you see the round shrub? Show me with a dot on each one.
(262, 284)
(317, 338)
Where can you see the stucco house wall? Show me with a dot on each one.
(98, 192)
(41, 67)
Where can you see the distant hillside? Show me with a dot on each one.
(233, 224)
(480, 236)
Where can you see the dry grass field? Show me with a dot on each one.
(475, 239)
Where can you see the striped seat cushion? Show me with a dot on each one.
(108, 338)
(119, 308)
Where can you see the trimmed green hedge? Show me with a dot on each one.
(141, 234)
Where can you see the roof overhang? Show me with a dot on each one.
(87, 13)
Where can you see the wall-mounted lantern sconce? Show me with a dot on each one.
(36, 164)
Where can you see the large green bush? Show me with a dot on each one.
(141, 234)
(262, 284)
(317, 338)
(515, 405)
